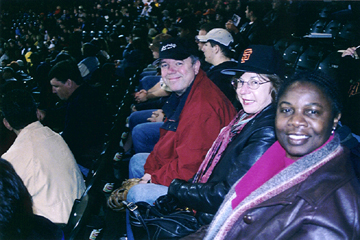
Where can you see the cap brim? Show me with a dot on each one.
(179, 57)
(232, 72)
(201, 38)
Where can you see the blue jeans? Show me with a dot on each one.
(148, 82)
(136, 165)
(85, 171)
(141, 192)
(148, 72)
(139, 117)
(146, 193)
(145, 136)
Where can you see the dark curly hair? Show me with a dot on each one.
(325, 83)
(15, 204)
(65, 70)
(19, 108)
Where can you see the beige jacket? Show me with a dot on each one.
(48, 169)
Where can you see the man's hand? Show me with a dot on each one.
(141, 96)
(230, 26)
(40, 114)
(350, 52)
(146, 178)
(157, 116)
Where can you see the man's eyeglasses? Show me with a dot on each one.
(252, 84)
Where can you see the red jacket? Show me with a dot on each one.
(179, 154)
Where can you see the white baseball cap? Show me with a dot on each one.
(218, 35)
(52, 46)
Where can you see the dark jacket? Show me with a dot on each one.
(84, 129)
(325, 205)
(43, 228)
(254, 139)
(223, 81)
(255, 33)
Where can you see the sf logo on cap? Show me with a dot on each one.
(168, 46)
(246, 55)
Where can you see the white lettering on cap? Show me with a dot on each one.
(168, 46)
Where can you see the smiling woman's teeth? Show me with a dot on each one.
(298, 137)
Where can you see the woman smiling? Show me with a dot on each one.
(304, 185)
(241, 143)
(305, 119)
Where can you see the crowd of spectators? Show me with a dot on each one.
(122, 30)
(79, 49)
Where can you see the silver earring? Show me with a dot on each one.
(333, 130)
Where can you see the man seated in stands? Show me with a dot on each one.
(150, 84)
(196, 111)
(252, 32)
(84, 128)
(203, 30)
(152, 95)
(41, 158)
(217, 51)
(216, 45)
(90, 63)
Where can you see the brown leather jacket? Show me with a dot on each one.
(324, 206)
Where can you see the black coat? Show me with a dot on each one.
(85, 124)
(255, 33)
(254, 139)
(224, 81)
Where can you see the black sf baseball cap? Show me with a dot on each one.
(177, 49)
(260, 59)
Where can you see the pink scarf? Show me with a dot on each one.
(225, 137)
(269, 164)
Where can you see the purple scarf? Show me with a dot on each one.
(225, 137)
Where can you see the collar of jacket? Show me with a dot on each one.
(78, 92)
(173, 108)
(330, 177)
(305, 166)
(267, 113)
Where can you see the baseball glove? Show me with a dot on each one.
(117, 196)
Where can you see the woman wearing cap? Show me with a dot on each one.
(304, 186)
(241, 143)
